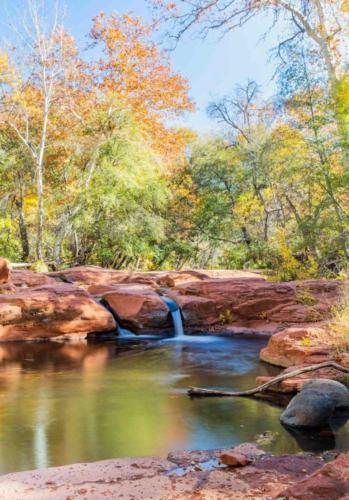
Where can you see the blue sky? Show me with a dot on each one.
(212, 66)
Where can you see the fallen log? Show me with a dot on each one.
(197, 391)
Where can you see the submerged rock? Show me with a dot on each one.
(316, 403)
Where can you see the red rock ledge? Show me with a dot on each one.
(185, 475)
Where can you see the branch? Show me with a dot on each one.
(197, 391)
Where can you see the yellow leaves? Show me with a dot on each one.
(8, 74)
(248, 207)
(345, 6)
(342, 96)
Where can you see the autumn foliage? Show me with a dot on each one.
(138, 73)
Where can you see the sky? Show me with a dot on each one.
(212, 66)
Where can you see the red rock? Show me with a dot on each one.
(4, 271)
(29, 279)
(51, 311)
(90, 275)
(295, 384)
(94, 275)
(155, 478)
(296, 346)
(229, 301)
(232, 273)
(234, 459)
(174, 278)
(331, 482)
(138, 307)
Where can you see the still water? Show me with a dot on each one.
(65, 403)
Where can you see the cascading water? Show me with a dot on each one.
(176, 316)
(122, 332)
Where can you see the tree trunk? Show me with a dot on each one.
(40, 214)
(23, 230)
(197, 391)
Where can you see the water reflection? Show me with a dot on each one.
(64, 403)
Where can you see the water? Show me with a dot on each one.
(62, 403)
(177, 324)
(176, 317)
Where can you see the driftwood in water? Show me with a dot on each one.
(197, 391)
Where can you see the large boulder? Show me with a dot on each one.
(242, 300)
(51, 311)
(297, 346)
(138, 308)
(316, 404)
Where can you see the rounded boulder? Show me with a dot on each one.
(315, 404)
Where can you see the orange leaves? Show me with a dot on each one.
(136, 71)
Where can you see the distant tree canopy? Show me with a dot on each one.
(92, 172)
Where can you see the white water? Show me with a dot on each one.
(177, 323)
(123, 333)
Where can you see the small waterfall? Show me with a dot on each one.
(122, 332)
(176, 316)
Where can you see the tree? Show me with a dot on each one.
(322, 21)
(134, 70)
(41, 67)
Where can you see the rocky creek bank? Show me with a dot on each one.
(190, 475)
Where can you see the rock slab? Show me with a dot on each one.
(51, 311)
(240, 301)
(158, 479)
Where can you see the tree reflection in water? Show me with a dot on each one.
(65, 402)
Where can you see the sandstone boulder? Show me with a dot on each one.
(138, 308)
(315, 404)
(296, 346)
(229, 301)
(51, 311)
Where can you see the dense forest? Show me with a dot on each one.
(93, 169)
